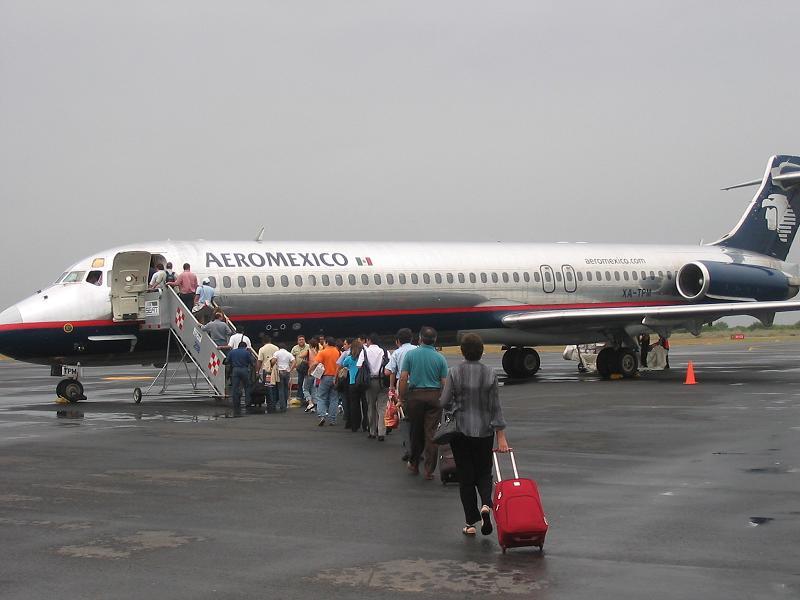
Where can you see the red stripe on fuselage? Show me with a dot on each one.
(364, 313)
(58, 325)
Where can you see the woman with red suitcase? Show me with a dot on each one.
(471, 393)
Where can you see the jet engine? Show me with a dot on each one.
(699, 280)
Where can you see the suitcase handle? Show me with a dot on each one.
(497, 464)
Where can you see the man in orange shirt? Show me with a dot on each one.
(327, 398)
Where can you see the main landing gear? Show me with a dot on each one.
(521, 363)
(617, 361)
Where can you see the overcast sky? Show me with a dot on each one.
(517, 121)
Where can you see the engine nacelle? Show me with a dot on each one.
(732, 281)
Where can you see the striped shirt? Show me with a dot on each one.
(471, 389)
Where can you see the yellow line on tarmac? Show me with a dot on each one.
(128, 378)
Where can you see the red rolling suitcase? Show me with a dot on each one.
(518, 511)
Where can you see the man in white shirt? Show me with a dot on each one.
(239, 337)
(394, 368)
(264, 363)
(285, 363)
(159, 279)
(374, 357)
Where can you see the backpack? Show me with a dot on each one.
(364, 375)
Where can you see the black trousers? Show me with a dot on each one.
(355, 397)
(473, 456)
(188, 299)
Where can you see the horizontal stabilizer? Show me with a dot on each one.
(785, 178)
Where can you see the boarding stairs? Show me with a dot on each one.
(164, 310)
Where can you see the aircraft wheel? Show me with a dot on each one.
(137, 395)
(60, 387)
(527, 363)
(73, 390)
(627, 362)
(605, 361)
(510, 361)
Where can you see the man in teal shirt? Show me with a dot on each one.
(421, 379)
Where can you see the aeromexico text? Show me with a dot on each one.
(276, 259)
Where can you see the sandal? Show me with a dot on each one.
(486, 517)
(468, 530)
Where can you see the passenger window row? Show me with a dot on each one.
(391, 279)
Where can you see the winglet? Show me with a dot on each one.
(260, 235)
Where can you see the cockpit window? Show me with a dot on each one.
(95, 277)
(63, 275)
(73, 276)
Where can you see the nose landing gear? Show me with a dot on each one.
(521, 363)
(71, 390)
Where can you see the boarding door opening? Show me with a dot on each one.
(129, 280)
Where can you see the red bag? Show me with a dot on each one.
(391, 418)
(518, 511)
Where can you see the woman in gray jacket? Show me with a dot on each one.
(471, 391)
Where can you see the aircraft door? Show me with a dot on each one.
(129, 280)
(548, 279)
(570, 281)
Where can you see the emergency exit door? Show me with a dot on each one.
(570, 280)
(129, 281)
(548, 279)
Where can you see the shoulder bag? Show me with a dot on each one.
(447, 428)
(364, 374)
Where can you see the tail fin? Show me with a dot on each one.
(770, 222)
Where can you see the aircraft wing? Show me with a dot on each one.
(671, 316)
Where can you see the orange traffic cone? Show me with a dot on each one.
(690, 380)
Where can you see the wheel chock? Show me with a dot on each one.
(62, 400)
(615, 376)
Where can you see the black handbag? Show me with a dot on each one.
(447, 428)
(364, 375)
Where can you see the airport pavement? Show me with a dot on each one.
(653, 489)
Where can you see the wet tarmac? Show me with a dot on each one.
(652, 488)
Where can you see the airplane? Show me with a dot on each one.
(519, 295)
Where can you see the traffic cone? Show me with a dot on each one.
(690, 380)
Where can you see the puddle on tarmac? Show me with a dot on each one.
(125, 546)
(768, 470)
(73, 416)
(435, 576)
(69, 414)
(756, 521)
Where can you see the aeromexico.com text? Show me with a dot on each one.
(276, 259)
(616, 261)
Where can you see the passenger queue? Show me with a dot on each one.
(369, 387)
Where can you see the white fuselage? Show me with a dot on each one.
(349, 288)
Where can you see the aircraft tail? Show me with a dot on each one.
(770, 222)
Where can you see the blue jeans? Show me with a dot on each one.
(327, 399)
(240, 377)
(309, 390)
(283, 390)
(301, 379)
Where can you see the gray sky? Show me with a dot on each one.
(548, 121)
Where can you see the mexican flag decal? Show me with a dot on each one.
(365, 261)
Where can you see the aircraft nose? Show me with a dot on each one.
(10, 316)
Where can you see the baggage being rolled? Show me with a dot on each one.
(518, 511)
